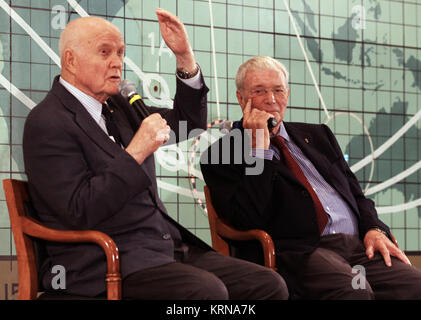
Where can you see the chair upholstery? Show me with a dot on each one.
(27, 231)
(222, 231)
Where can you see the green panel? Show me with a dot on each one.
(370, 72)
(5, 240)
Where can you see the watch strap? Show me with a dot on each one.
(187, 75)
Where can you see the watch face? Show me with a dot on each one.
(187, 75)
(183, 74)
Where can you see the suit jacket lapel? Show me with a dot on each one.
(84, 119)
(125, 118)
(126, 132)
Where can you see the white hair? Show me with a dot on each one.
(259, 63)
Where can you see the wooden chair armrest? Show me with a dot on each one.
(254, 234)
(113, 277)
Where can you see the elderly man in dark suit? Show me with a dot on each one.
(302, 193)
(90, 165)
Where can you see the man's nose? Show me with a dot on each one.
(117, 62)
(269, 96)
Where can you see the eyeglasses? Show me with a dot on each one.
(277, 92)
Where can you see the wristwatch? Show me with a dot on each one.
(187, 75)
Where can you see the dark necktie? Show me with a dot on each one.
(110, 124)
(298, 173)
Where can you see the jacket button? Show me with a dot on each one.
(166, 236)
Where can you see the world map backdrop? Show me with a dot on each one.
(354, 65)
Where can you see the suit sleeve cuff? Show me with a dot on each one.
(195, 82)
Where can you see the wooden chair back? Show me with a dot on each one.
(26, 229)
(221, 230)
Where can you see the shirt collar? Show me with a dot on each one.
(93, 106)
(282, 132)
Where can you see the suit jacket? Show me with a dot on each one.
(276, 201)
(80, 179)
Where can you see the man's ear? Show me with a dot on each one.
(69, 60)
(240, 99)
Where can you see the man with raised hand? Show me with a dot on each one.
(90, 165)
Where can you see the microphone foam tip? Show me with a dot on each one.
(126, 88)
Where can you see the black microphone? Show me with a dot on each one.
(227, 126)
(272, 123)
(128, 90)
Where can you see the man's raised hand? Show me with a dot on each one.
(175, 36)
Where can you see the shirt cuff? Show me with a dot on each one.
(195, 82)
(262, 154)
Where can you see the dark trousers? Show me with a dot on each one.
(198, 274)
(333, 272)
